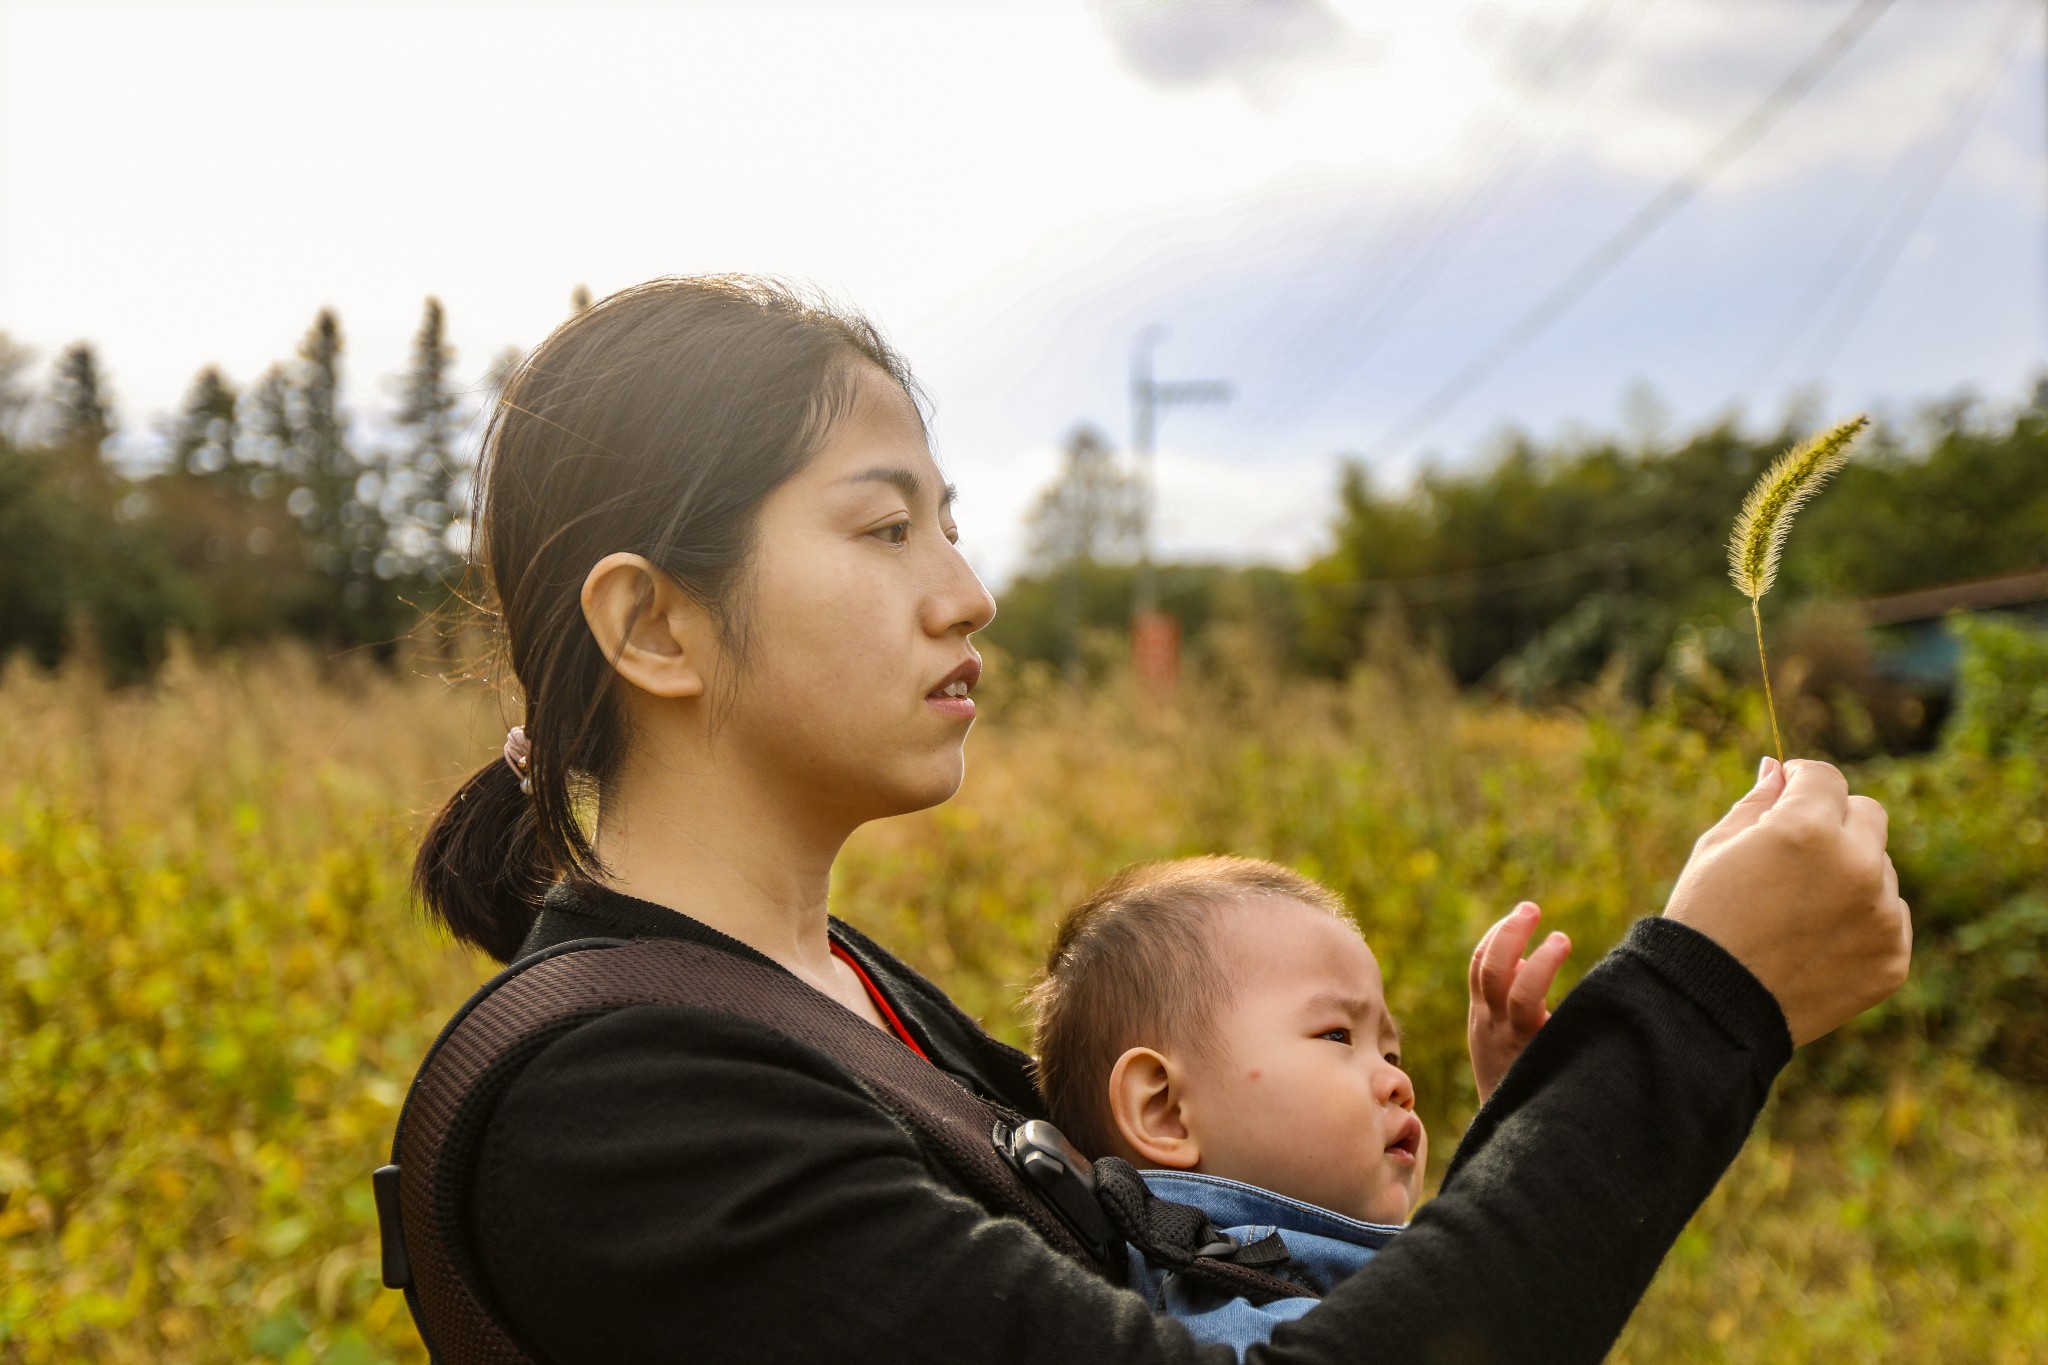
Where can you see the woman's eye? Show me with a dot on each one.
(1337, 1035)
(896, 532)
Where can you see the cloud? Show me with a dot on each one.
(1261, 46)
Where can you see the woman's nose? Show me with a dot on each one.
(958, 600)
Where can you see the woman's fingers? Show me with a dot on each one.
(1814, 790)
(1801, 897)
(1869, 814)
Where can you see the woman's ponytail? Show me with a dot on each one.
(482, 866)
(655, 422)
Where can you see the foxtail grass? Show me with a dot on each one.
(1765, 521)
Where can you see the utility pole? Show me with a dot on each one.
(1155, 636)
(1149, 398)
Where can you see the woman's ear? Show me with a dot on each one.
(1147, 1102)
(656, 635)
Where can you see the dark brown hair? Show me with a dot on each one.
(654, 421)
(1134, 966)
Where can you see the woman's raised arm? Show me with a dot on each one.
(670, 1184)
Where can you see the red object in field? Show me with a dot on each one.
(1155, 651)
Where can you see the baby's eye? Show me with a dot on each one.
(1337, 1035)
(1394, 1058)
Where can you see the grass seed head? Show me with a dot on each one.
(1766, 516)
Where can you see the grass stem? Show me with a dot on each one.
(1756, 615)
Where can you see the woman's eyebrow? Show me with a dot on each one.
(908, 482)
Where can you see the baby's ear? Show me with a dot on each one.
(1145, 1106)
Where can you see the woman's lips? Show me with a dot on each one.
(960, 681)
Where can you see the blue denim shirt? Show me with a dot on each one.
(1323, 1247)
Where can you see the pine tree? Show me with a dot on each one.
(17, 399)
(318, 463)
(422, 479)
(336, 495)
(201, 438)
(81, 417)
(263, 432)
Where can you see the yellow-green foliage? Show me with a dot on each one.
(212, 995)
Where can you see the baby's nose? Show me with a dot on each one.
(1396, 1088)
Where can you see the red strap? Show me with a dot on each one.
(895, 1024)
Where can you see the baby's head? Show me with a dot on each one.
(1223, 1016)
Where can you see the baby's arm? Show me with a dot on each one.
(1509, 995)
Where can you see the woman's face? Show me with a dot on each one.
(857, 613)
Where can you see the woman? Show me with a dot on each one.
(729, 585)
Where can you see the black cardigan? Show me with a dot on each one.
(669, 1184)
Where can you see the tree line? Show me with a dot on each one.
(268, 513)
(271, 512)
(1549, 562)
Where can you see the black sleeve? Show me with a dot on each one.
(666, 1184)
(1581, 1170)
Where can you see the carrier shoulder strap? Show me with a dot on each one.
(422, 1197)
(541, 999)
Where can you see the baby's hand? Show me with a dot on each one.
(1508, 994)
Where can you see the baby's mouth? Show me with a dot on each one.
(1408, 1139)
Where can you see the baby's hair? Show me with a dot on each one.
(1133, 966)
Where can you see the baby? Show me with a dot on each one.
(1219, 1024)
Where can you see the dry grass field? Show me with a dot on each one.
(213, 991)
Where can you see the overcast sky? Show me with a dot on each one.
(1336, 205)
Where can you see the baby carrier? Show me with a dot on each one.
(1013, 1165)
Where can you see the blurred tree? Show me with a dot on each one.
(80, 413)
(40, 531)
(79, 417)
(1090, 514)
(84, 566)
(201, 438)
(17, 398)
(322, 469)
(336, 497)
(264, 427)
(220, 511)
(422, 472)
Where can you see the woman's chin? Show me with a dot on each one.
(934, 786)
(871, 795)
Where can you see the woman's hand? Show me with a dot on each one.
(1509, 995)
(1795, 882)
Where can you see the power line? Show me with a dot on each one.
(1557, 566)
(1459, 219)
(1891, 243)
(1865, 224)
(1382, 274)
(1661, 208)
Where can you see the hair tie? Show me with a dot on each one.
(517, 751)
